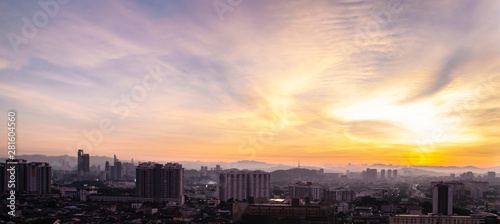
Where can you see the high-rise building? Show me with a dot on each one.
(218, 168)
(3, 178)
(476, 188)
(112, 173)
(389, 174)
(115, 171)
(30, 178)
(39, 177)
(457, 187)
(341, 195)
(371, 174)
(102, 175)
(79, 160)
(160, 182)
(83, 162)
(382, 174)
(204, 171)
(442, 199)
(395, 174)
(86, 164)
(491, 176)
(240, 185)
(19, 172)
(300, 190)
(118, 170)
(107, 169)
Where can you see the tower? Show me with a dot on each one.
(83, 162)
(442, 199)
(80, 160)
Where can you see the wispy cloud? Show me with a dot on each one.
(342, 78)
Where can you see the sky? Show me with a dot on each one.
(326, 82)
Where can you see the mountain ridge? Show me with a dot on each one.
(65, 162)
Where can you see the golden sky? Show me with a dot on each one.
(327, 82)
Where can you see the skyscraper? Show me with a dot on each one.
(30, 178)
(389, 174)
(83, 162)
(39, 178)
(243, 184)
(382, 174)
(86, 164)
(442, 199)
(160, 182)
(118, 170)
(20, 173)
(80, 160)
(395, 174)
(107, 169)
(114, 172)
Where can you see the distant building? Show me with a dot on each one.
(457, 187)
(442, 199)
(366, 215)
(467, 175)
(118, 170)
(160, 182)
(107, 169)
(204, 171)
(114, 172)
(476, 188)
(30, 178)
(102, 175)
(382, 174)
(39, 178)
(301, 190)
(83, 162)
(389, 174)
(343, 178)
(492, 176)
(371, 174)
(218, 168)
(480, 218)
(340, 195)
(240, 185)
(395, 174)
(267, 210)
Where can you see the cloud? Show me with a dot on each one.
(443, 77)
(303, 64)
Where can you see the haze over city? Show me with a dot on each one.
(323, 82)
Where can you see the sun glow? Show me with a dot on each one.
(422, 119)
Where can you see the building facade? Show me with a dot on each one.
(160, 182)
(30, 178)
(440, 219)
(239, 185)
(340, 195)
(301, 190)
(457, 187)
(442, 199)
(83, 162)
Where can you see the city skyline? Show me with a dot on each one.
(324, 82)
